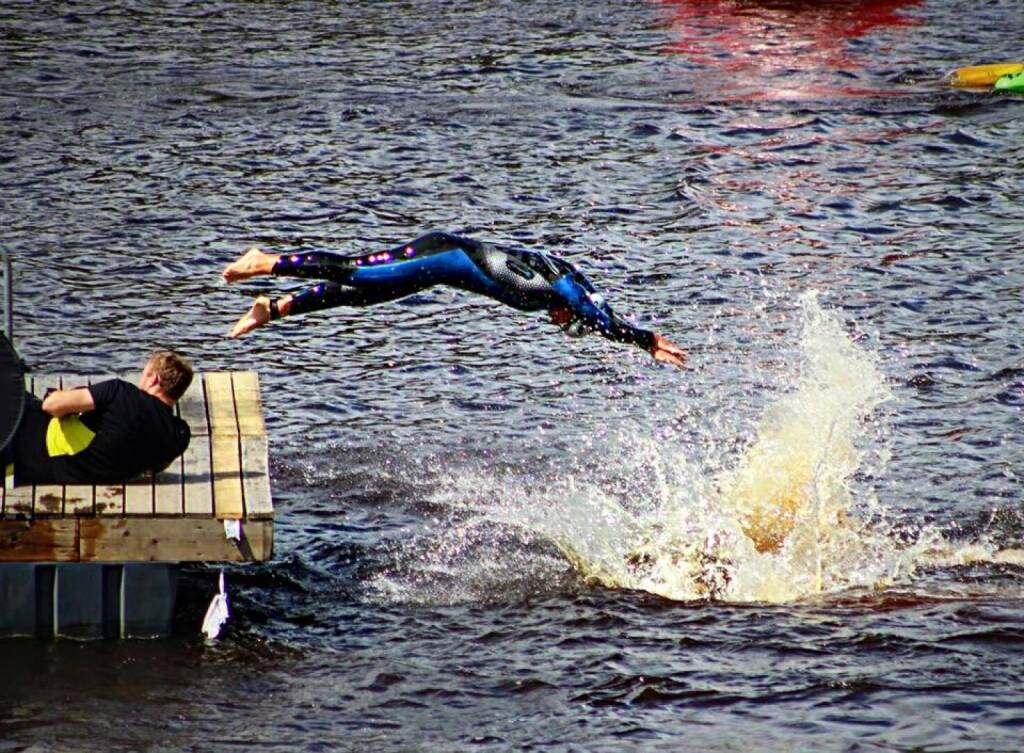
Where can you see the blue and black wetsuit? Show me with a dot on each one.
(525, 280)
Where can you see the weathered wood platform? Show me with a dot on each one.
(177, 515)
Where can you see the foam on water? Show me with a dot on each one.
(789, 515)
(779, 522)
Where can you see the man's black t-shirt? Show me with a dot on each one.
(134, 433)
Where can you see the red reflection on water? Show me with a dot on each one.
(765, 37)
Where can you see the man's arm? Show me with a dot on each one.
(65, 402)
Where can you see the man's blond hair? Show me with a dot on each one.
(174, 371)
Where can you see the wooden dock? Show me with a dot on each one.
(178, 515)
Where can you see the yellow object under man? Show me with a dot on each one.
(67, 436)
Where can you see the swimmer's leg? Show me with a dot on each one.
(399, 263)
(323, 296)
(323, 265)
(328, 295)
(434, 259)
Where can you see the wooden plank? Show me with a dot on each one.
(220, 404)
(256, 478)
(192, 407)
(248, 407)
(110, 499)
(52, 499)
(79, 500)
(227, 481)
(171, 540)
(198, 477)
(18, 502)
(48, 499)
(169, 495)
(138, 495)
(49, 540)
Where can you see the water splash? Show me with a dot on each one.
(788, 515)
(779, 522)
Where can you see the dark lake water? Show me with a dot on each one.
(457, 485)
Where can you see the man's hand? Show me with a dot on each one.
(666, 351)
(65, 402)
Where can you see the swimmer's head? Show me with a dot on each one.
(569, 322)
(560, 315)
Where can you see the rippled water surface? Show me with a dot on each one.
(454, 479)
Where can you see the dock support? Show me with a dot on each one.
(87, 600)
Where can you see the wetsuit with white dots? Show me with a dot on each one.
(525, 280)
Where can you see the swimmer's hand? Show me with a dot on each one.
(666, 351)
(257, 316)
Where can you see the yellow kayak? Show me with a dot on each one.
(982, 75)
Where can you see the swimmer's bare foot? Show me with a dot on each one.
(256, 317)
(252, 263)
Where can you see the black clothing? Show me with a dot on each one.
(12, 391)
(133, 433)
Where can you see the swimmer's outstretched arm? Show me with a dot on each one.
(660, 347)
(581, 302)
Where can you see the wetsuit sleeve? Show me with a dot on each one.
(589, 307)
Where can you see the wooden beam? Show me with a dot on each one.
(138, 495)
(220, 404)
(256, 478)
(247, 403)
(192, 407)
(198, 477)
(171, 540)
(227, 487)
(110, 499)
(168, 490)
(40, 540)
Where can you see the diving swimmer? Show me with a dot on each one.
(524, 280)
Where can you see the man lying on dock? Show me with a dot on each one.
(108, 432)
